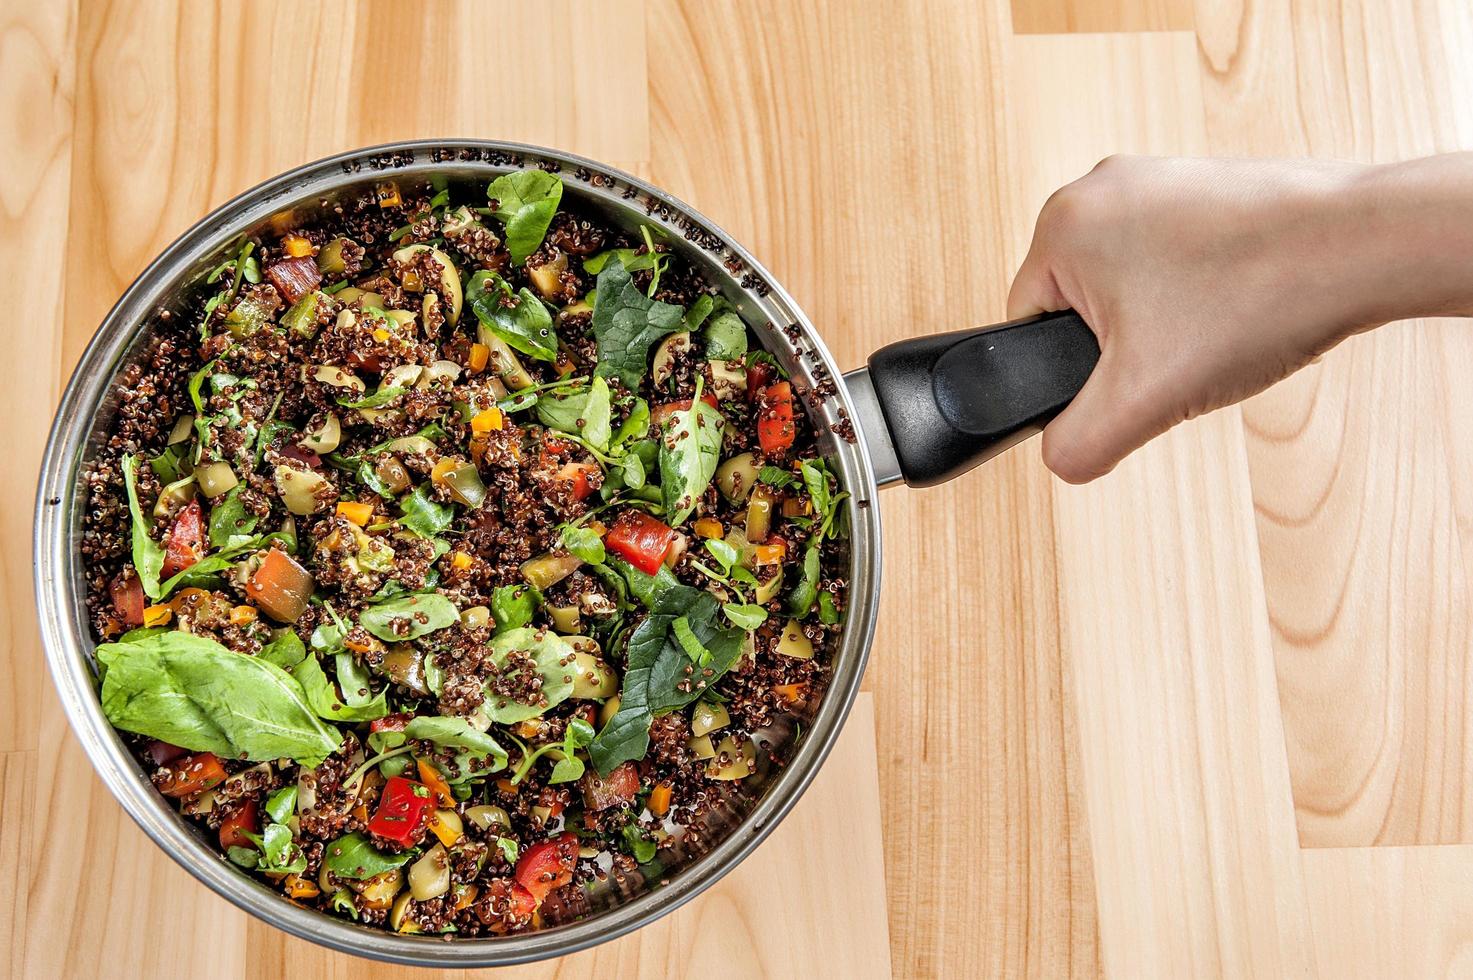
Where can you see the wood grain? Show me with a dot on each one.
(1095, 16)
(1361, 504)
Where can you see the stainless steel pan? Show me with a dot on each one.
(922, 411)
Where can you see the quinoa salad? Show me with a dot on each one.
(458, 559)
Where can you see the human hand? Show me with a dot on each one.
(1208, 280)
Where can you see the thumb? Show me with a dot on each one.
(1099, 428)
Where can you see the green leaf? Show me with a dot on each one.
(828, 613)
(584, 543)
(641, 848)
(148, 554)
(635, 426)
(424, 516)
(525, 325)
(285, 651)
(525, 202)
(800, 600)
(626, 324)
(354, 681)
(816, 482)
(747, 617)
(726, 338)
(509, 849)
(378, 399)
(690, 450)
(197, 694)
(513, 606)
(648, 589)
(354, 858)
(567, 769)
(723, 553)
(698, 311)
(168, 465)
(659, 676)
(281, 804)
(775, 476)
(680, 629)
(409, 617)
(583, 411)
(244, 857)
(230, 519)
(460, 735)
(324, 698)
(279, 852)
(552, 657)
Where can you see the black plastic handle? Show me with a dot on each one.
(954, 400)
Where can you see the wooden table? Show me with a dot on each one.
(1206, 716)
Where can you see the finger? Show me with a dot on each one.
(1099, 428)
(1034, 288)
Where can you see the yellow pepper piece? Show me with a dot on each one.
(380, 334)
(448, 835)
(460, 560)
(480, 354)
(443, 467)
(388, 194)
(659, 802)
(157, 615)
(241, 615)
(299, 888)
(356, 511)
(466, 896)
(709, 527)
(487, 421)
(296, 246)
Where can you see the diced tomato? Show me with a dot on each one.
(162, 753)
(557, 446)
(663, 411)
(281, 587)
(615, 789)
(522, 902)
(547, 866)
(640, 539)
(775, 426)
(186, 540)
(192, 774)
(759, 375)
(128, 601)
(245, 819)
(293, 451)
(294, 277)
(371, 361)
(403, 808)
(578, 474)
(390, 723)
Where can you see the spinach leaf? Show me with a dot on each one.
(626, 324)
(459, 734)
(659, 675)
(142, 633)
(328, 703)
(518, 318)
(229, 519)
(641, 848)
(828, 613)
(285, 651)
(775, 476)
(525, 202)
(409, 617)
(690, 449)
(699, 310)
(281, 804)
(585, 412)
(746, 617)
(279, 853)
(424, 516)
(378, 399)
(726, 338)
(197, 694)
(800, 600)
(148, 554)
(635, 426)
(648, 589)
(816, 482)
(552, 659)
(167, 465)
(352, 856)
(512, 606)
(353, 680)
(584, 543)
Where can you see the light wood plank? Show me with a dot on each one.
(1362, 506)
(1163, 610)
(851, 145)
(1095, 16)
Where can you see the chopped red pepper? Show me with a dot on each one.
(186, 540)
(640, 539)
(557, 446)
(615, 789)
(775, 426)
(390, 723)
(663, 411)
(547, 866)
(759, 375)
(193, 774)
(402, 810)
(578, 474)
(245, 819)
(522, 902)
(128, 601)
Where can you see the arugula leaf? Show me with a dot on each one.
(723, 553)
(148, 554)
(746, 617)
(459, 734)
(328, 703)
(424, 516)
(584, 543)
(585, 412)
(552, 657)
(197, 694)
(726, 338)
(690, 450)
(513, 606)
(525, 325)
(281, 804)
(418, 614)
(626, 324)
(286, 651)
(353, 857)
(659, 676)
(229, 519)
(525, 202)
